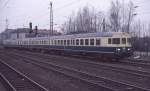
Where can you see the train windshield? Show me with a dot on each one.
(116, 41)
(123, 40)
(129, 40)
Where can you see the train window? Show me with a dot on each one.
(68, 42)
(44, 41)
(123, 40)
(55, 42)
(61, 42)
(73, 42)
(86, 41)
(116, 41)
(39, 42)
(64, 42)
(77, 42)
(36, 42)
(52, 41)
(49, 42)
(91, 41)
(109, 41)
(98, 42)
(129, 40)
(81, 41)
(58, 42)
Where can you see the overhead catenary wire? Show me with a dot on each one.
(60, 8)
(69, 4)
(57, 9)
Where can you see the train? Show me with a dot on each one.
(112, 45)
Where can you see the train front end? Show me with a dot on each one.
(124, 48)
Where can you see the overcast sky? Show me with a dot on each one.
(20, 12)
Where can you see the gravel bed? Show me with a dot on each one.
(101, 71)
(49, 79)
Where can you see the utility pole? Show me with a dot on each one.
(7, 32)
(51, 19)
(7, 24)
(104, 25)
(36, 31)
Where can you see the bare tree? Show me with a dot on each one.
(85, 21)
(131, 14)
(115, 17)
(121, 16)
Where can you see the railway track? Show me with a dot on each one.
(113, 65)
(137, 63)
(84, 76)
(17, 81)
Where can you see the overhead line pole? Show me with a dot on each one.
(7, 24)
(51, 19)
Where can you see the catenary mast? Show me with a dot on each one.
(51, 19)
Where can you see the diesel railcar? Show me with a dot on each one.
(102, 44)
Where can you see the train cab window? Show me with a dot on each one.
(98, 42)
(91, 41)
(129, 40)
(86, 41)
(109, 41)
(81, 41)
(77, 42)
(123, 40)
(116, 41)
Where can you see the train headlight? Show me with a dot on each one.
(118, 49)
(129, 49)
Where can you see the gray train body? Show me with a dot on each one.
(102, 44)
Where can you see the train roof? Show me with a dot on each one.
(84, 35)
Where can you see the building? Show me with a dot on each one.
(21, 33)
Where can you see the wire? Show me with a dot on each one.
(69, 4)
(58, 9)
